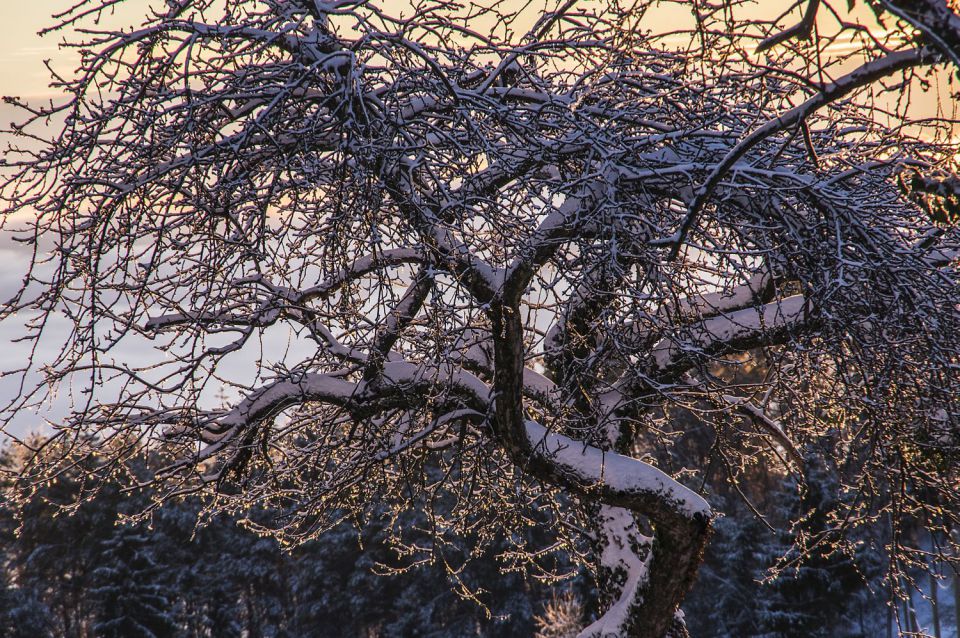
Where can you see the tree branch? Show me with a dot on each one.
(859, 78)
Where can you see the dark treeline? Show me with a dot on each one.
(86, 574)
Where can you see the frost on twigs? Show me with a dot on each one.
(547, 274)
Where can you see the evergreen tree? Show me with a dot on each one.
(55, 553)
(814, 597)
(22, 615)
(729, 586)
(85, 575)
(130, 595)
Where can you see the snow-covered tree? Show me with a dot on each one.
(22, 615)
(130, 599)
(814, 595)
(480, 252)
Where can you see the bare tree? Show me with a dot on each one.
(505, 246)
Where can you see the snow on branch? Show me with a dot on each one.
(623, 481)
(863, 76)
(725, 333)
(712, 304)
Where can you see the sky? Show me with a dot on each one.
(23, 73)
(22, 52)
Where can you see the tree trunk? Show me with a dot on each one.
(253, 625)
(909, 613)
(623, 561)
(634, 571)
(655, 579)
(640, 576)
(934, 607)
(956, 601)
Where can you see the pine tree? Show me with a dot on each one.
(128, 590)
(815, 596)
(22, 615)
(731, 581)
(55, 552)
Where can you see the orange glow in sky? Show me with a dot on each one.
(23, 52)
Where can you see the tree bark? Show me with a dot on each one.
(956, 602)
(934, 606)
(932, 573)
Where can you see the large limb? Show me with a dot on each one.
(630, 562)
(622, 550)
(654, 573)
(648, 570)
(401, 385)
(728, 332)
(733, 322)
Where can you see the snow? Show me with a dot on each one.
(538, 385)
(620, 531)
(402, 372)
(333, 389)
(621, 473)
(475, 345)
(272, 397)
(360, 267)
(731, 327)
(719, 302)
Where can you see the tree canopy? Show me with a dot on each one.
(483, 255)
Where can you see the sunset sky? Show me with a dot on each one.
(23, 74)
(22, 52)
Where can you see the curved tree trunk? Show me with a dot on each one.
(649, 576)
(645, 578)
